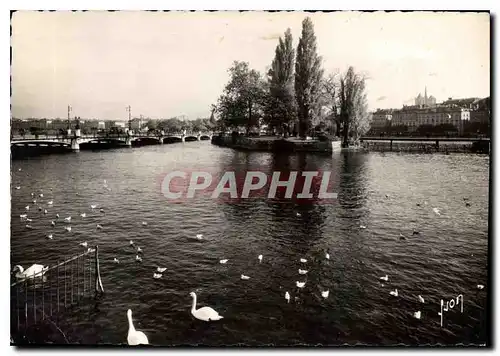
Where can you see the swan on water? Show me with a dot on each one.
(161, 270)
(420, 299)
(53, 223)
(27, 207)
(302, 271)
(205, 313)
(362, 226)
(287, 297)
(57, 216)
(436, 210)
(299, 214)
(417, 314)
(131, 243)
(244, 277)
(49, 236)
(41, 195)
(39, 208)
(327, 256)
(34, 201)
(23, 216)
(385, 278)
(480, 286)
(325, 294)
(300, 284)
(144, 223)
(394, 292)
(68, 219)
(402, 237)
(91, 249)
(84, 244)
(223, 261)
(29, 227)
(116, 260)
(99, 227)
(31, 272)
(83, 215)
(18, 188)
(68, 228)
(139, 250)
(135, 337)
(157, 275)
(138, 258)
(101, 210)
(260, 258)
(303, 260)
(93, 207)
(29, 220)
(50, 202)
(199, 236)
(45, 211)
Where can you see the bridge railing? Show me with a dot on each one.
(43, 296)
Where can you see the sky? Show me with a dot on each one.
(166, 64)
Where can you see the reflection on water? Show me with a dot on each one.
(379, 191)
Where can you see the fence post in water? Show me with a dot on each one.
(43, 298)
(34, 296)
(26, 301)
(391, 146)
(58, 286)
(437, 145)
(98, 282)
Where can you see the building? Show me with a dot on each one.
(381, 118)
(424, 101)
(439, 115)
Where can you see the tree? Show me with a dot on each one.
(354, 116)
(308, 74)
(280, 104)
(329, 99)
(240, 103)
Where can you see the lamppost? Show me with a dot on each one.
(129, 121)
(69, 121)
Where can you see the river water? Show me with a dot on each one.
(377, 190)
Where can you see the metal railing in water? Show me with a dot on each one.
(40, 297)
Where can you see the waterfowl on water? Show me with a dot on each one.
(300, 284)
(325, 294)
(205, 313)
(287, 297)
(135, 337)
(33, 271)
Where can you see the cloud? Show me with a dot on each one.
(380, 98)
(273, 36)
(433, 74)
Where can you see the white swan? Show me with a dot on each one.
(99, 227)
(300, 284)
(18, 188)
(298, 214)
(52, 223)
(68, 228)
(325, 294)
(50, 202)
(41, 195)
(116, 260)
(157, 275)
(244, 277)
(49, 236)
(29, 220)
(39, 208)
(27, 207)
(68, 219)
(385, 278)
(84, 244)
(29, 227)
(420, 299)
(91, 249)
(302, 271)
(394, 292)
(57, 216)
(260, 258)
(303, 260)
(138, 258)
(93, 207)
(101, 210)
(327, 256)
(480, 286)
(139, 250)
(135, 337)
(205, 313)
(223, 261)
(417, 314)
(23, 216)
(34, 201)
(144, 223)
(31, 272)
(131, 243)
(287, 297)
(83, 215)
(436, 210)
(45, 211)
(161, 270)
(199, 236)
(362, 226)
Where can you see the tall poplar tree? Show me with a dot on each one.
(308, 74)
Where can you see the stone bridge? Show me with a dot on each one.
(73, 140)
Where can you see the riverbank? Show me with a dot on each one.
(277, 144)
(482, 147)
